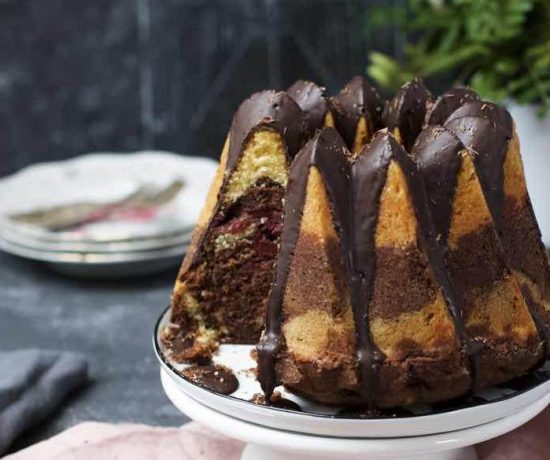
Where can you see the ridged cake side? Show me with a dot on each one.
(501, 336)
(488, 130)
(309, 337)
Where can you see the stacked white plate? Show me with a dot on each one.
(105, 214)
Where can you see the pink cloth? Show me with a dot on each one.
(100, 441)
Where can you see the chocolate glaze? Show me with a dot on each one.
(447, 103)
(438, 154)
(286, 404)
(311, 99)
(498, 116)
(326, 151)
(267, 109)
(407, 111)
(355, 191)
(213, 377)
(358, 98)
(368, 179)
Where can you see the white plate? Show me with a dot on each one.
(104, 178)
(102, 265)
(15, 237)
(494, 403)
(267, 443)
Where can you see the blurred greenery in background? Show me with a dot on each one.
(499, 47)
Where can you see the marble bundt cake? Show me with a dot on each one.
(378, 254)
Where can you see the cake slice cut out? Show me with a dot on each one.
(222, 287)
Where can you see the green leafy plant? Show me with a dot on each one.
(499, 47)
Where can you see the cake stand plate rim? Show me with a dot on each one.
(388, 447)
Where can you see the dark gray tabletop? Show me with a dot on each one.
(111, 322)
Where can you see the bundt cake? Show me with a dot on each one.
(379, 255)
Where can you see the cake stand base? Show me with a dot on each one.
(268, 443)
(257, 452)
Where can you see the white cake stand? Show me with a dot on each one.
(317, 431)
(265, 443)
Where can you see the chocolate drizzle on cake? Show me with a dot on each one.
(438, 155)
(447, 103)
(326, 152)
(311, 99)
(405, 113)
(369, 177)
(357, 99)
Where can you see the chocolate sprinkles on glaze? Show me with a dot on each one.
(447, 103)
(489, 142)
(407, 111)
(326, 152)
(311, 99)
(498, 116)
(358, 98)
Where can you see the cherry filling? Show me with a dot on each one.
(238, 263)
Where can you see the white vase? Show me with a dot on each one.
(534, 136)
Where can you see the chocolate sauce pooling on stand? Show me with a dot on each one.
(212, 377)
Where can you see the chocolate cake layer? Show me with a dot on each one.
(407, 268)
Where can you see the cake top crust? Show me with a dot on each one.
(311, 99)
(358, 98)
(266, 109)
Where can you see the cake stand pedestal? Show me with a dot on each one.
(268, 443)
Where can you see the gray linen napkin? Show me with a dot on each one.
(32, 384)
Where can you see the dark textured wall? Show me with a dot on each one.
(119, 75)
